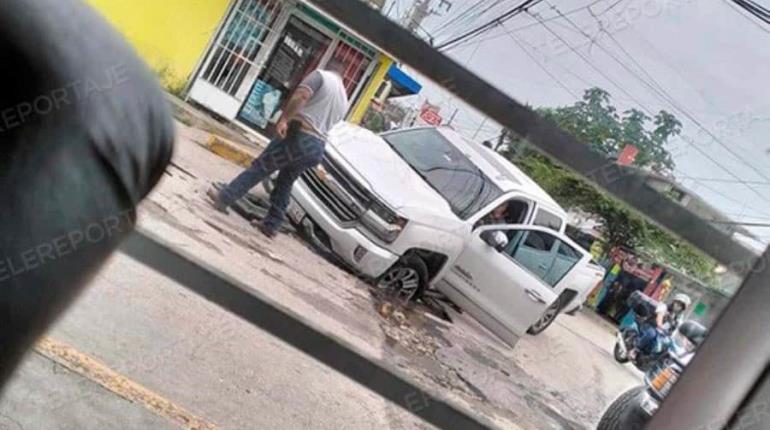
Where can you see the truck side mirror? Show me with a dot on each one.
(495, 239)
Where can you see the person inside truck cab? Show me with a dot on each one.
(509, 212)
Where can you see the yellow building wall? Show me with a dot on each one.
(365, 100)
(171, 35)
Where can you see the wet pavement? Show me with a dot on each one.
(220, 368)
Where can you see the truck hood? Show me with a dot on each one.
(376, 165)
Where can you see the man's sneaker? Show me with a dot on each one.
(213, 196)
(264, 230)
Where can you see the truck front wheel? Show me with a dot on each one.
(625, 413)
(406, 280)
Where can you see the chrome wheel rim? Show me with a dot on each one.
(404, 281)
(548, 315)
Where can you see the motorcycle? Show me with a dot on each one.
(634, 408)
(627, 339)
(643, 311)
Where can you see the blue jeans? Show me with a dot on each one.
(646, 342)
(290, 157)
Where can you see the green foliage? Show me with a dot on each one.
(619, 224)
(595, 121)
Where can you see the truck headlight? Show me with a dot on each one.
(383, 222)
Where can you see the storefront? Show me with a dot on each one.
(264, 48)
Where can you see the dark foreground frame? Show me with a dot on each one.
(715, 385)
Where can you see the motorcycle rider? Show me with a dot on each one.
(667, 319)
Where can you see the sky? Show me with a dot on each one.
(704, 61)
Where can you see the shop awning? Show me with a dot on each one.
(403, 84)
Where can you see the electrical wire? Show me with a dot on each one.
(535, 24)
(742, 12)
(728, 197)
(489, 24)
(458, 17)
(590, 64)
(666, 97)
(608, 9)
(754, 9)
(543, 68)
(725, 181)
(472, 16)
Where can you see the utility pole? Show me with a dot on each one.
(483, 121)
(452, 118)
(421, 10)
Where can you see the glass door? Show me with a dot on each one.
(298, 52)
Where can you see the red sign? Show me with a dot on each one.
(430, 116)
(628, 155)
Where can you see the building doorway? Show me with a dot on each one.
(235, 54)
(299, 51)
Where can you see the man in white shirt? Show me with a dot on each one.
(667, 319)
(318, 103)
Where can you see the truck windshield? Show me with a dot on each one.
(445, 168)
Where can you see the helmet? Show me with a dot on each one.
(683, 299)
(693, 331)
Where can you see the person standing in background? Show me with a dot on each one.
(319, 102)
(597, 297)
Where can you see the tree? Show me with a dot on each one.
(594, 121)
(621, 227)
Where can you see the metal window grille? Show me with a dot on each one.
(242, 38)
(357, 61)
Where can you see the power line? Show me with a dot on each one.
(754, 9)
(489, 24)
(608, 9)
(742, 12)
(472, 16)
(458, 17)
(566, 69)
(667, 98)
(587, 61)
(527, 26)
(728, 197)
(727, 181)
(543, 68)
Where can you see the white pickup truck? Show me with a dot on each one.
(407, 209)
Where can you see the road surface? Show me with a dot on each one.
(147, 353)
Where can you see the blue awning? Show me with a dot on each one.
(403, 84)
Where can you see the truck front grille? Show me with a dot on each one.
(348, 201)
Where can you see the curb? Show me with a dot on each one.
(230, 151)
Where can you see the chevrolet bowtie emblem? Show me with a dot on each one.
(321, 173)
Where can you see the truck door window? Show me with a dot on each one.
(534, 251)
(565, 259)
(515, 213)
(548, 220)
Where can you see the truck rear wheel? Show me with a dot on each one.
(625, 413)
(406, 280)
(548, 317)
